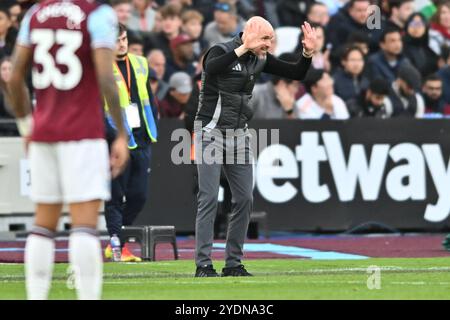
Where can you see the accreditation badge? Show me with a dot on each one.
(132, 112)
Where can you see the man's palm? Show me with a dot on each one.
(309, 37)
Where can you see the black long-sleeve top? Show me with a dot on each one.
(218, 61)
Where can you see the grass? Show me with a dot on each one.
(274, 279)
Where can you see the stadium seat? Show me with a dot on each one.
(149, 237)
(287, 39)
(260, 218)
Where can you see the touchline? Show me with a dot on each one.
(405, 181)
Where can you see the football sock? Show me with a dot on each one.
(86, 262)
(39, 259)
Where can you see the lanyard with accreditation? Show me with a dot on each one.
(132, 110)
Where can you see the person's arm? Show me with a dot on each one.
(298, 70)
(218, 61)
(103, 29)
(295, 71)
(16, 93)
(103, 61)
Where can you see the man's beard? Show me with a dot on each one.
(121, 56)
(404, 93)
(431, 103)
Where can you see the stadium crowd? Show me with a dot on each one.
(387, 60)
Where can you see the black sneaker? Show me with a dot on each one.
(206, 271)
(238, 271)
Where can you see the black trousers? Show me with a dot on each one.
(129, 191)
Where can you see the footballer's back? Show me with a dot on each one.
(62, 35)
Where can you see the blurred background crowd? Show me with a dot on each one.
(374, 59)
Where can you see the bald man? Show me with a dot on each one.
(222, 139)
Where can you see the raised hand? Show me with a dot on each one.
(286, 98)
(252, 37)
(309, 38)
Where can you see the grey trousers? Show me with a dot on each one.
(234, 154)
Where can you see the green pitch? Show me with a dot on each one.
(274, 279)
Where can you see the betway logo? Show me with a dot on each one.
(411, 162)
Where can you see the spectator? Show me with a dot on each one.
(157, 62)
(334, 5)
(320, 102)
(226, 25)
(361, 40)
(123, 10)
(416, 45)
(15, 11)
(370, 101)
(386, 62)
(183, 4)
(171, 25)
(444, 72)
(136, 45)
(245, 8)
(400, 10)
(275, 99)
(5, 74)
(182, 56)
(193, 27)
(292, 12)
(426, 7)
(349, 80)
(157, 27)
(268, 9)
(440, 28)
(317, 13)
(404, 98)
(180, 88)
(153, 77)
(7, 33)
(350, 18)
(9, 128)
(142, 16)
(206, 8)
(432, 90)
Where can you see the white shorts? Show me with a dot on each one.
(70, 172)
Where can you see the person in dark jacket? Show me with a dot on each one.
(171, 28)
(292, 12)
(400, 10)
(416, 45)
(432, 90)
(370, 102)
(404, 98)
(230, 72)
(350, 80)
(444, 72)
(386, 62)
(350, 18)
(183, 59)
